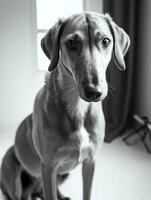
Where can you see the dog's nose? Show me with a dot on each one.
(92, 94)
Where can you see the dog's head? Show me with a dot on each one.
(84, 43)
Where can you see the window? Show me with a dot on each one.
(47, 12)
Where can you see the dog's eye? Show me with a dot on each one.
(72, 44)
(105, 42)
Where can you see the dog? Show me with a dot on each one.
(67, 125)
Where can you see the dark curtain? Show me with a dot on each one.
(117, 106)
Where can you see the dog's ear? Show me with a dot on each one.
(51, 42)
(121, 43)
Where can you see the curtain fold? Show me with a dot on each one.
(117, 106)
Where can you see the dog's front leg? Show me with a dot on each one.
(88, 167)
(49, 176)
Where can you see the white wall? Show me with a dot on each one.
(143, 85)
(18, 74)
(93, 5)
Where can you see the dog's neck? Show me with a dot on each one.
(70, 94)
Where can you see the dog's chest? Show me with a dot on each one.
(80, 144)
(81, 137)
(79, 148)
(84, 144)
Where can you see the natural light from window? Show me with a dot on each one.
(48, 12)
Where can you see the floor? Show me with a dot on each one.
(122, 173)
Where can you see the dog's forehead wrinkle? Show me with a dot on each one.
(75, 21)
(87, 24)
(101, 27)
(89, 34)
(74, 35)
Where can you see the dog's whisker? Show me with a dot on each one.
(111, 89)
(111, 86)
(111, 92)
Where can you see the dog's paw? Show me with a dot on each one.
(37, 198)
(66, 198)
(61, 196)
